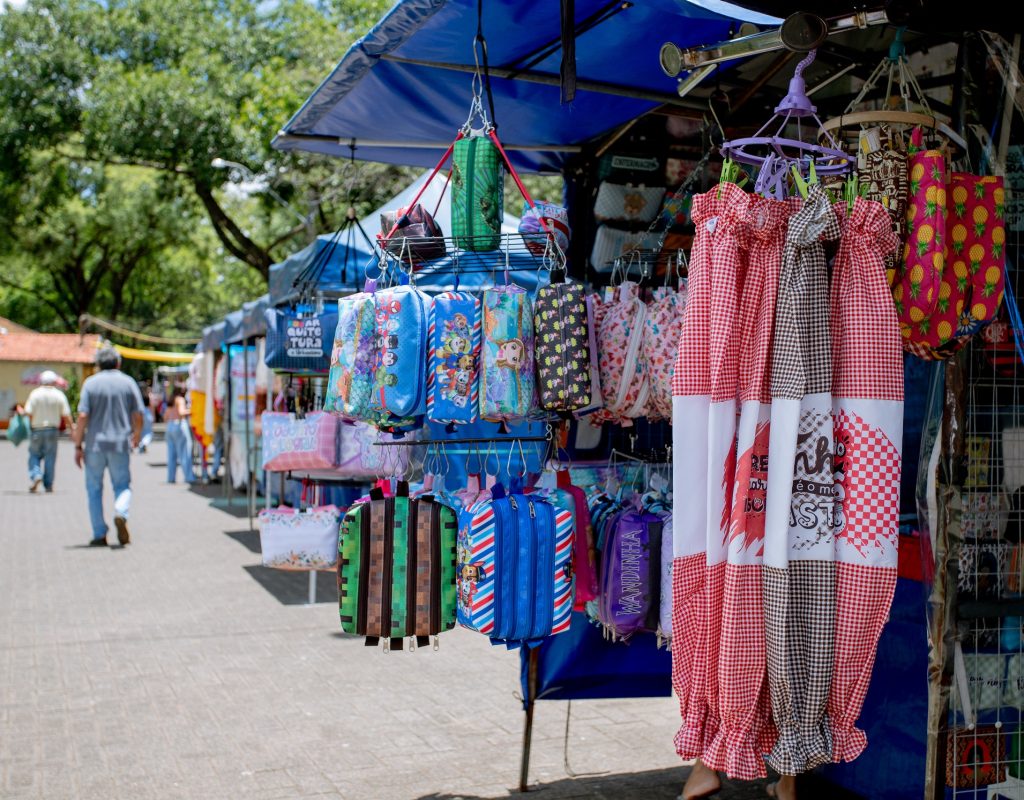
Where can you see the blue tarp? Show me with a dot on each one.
(415, 110)
(213, 337)
(233, 327)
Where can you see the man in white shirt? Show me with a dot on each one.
(46, 407)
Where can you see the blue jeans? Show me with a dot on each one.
(96, 462)
(42, 447)
(179, 450)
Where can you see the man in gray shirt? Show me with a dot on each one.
(108, 429)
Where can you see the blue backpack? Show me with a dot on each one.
(400, 347)
(514, 571)
(452, 388)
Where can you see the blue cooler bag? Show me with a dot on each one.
(299, 340)
(400, 351)
(454, 331)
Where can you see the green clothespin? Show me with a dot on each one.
(798, 179)
(814, 172)
(850, 191)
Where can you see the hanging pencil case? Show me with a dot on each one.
(454, 333)
(563, 347)
(507, 382)
(478, 179)
(399, 365)
(350, 380)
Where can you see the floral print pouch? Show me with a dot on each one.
(661, 343)
(563, 347)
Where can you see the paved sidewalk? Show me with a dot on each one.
(179, 668)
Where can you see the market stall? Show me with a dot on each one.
(802, 229)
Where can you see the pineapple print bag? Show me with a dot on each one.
(916, 292)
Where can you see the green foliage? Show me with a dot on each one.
(110, 116)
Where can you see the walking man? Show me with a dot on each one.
(46, 407)
(109, 427)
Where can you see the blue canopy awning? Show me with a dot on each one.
(343, 270)
(213, 337)
(401, 92)
(233, 327)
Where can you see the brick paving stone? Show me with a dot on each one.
(178, 667)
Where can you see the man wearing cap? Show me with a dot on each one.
(109, 427)
(46, 407)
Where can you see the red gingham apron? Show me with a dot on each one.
(867, 387)
(799, 568)
(704, 390)
(746, 729)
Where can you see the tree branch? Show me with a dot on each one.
(231, 236)
(37, 294)
(121, 162)
(284, 237)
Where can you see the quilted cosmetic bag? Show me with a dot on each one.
(620, 338)
(417, 237)
(299, 340)
(563, 347)
(454, 332)
(663, 327)
(555, 217)
(307, 443)
(400, 346)
(478, 181)
(611, 243)
(361, 458)
(627, 203)
(507, 376)
(351, 377)
(299, 540)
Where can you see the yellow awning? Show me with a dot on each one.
(163, 356)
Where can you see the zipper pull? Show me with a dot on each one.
(412, 644)
(513, 503)
(387, 645)
(533, 512)
(437, 644)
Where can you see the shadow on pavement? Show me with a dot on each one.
(251, 539)
(665, 784)
(292, 588)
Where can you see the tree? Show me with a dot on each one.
(171, 86)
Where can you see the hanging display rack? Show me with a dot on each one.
(899, 76)
(774, 154)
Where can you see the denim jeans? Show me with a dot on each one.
(179, 450)
(96, 461)
(42, 447)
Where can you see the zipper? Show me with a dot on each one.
(412, 537)
(545, 545)
(632, 352)
(512, 541)
(499, 572)
(526, 551)
(364, 570)
(470, 185)
(435, 568)
(389, 565)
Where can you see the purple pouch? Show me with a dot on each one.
(631, 574)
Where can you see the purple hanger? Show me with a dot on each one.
(782, 151)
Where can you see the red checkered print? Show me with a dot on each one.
(868, 470)
(689, 677)
(692, 371)
(863, 598)
(741, 677)
(866, 349)
(765, 236)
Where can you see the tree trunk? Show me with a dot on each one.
(230, 235)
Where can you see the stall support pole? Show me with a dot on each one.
(311, 599)
(531, 696)
(225, 432)
(266, 475)
(249, 485)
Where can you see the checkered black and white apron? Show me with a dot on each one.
(799, 568)
(746, 730)
(704, 389)
(867, 390)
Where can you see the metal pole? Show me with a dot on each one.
(248, 427)
(225, 432)
(531, 695)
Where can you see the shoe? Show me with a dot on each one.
(122, 530)
(49, 490)
(98, 542)
(35, 484)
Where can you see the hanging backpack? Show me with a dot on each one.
(514, 568)
(396, 574)
(507, 377)
(563, 347)
(350, 380)
(478, 181)
(661, 343)
(630, 599)
(400, 345)
(454, 334)
(620, 338)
